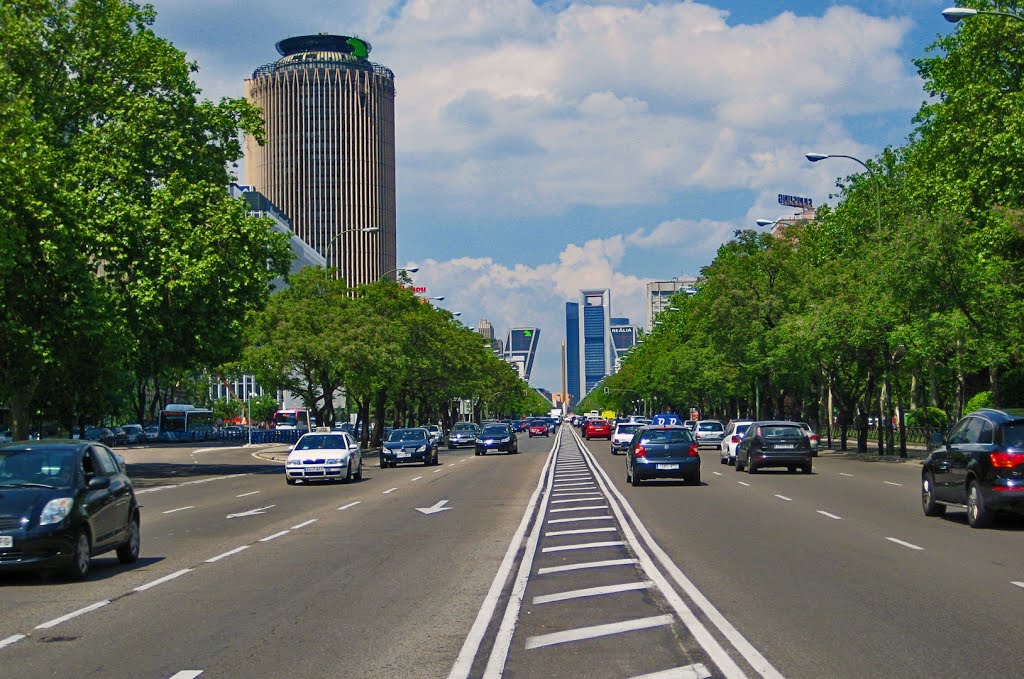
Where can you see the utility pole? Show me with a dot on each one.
(565, 380)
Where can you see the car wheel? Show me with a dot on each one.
(289, 480)
(81, 558)
(739, 465)
(348, 472)
(792, 469)
(751, 467)
(383, 463)
(725, 460)
(928, 503)
(359, 472)
(634, 478)
(807, 468)
(450, 446)
(128, 551)
(977, 515)
(693, 479)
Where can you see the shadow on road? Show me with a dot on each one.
(102, 568)
(147, 474)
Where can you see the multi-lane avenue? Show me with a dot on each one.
(542, 564)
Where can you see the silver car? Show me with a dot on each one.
(708, 433)
(622, 436)
(811, 436)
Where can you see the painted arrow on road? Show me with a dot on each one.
(439, 506)
(251, 512)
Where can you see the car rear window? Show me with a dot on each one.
(1013, 434)
(777, 431)
(741, 429)
(666, 436)
(598, 423)
(710, 426)
(627, 428)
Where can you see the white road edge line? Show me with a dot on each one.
(597, 631)
(695, 671)
(236, 550)
(592, 591)
(11, 639)
(160, 581)
(464, 662)
(275, 536)
(783, 497)
(711, 646)
(304, 524)
(586, 566)
(350, 505)
(905, 544)
(831, 516)
(179, 509)
(73, 614)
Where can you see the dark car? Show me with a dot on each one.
(774, 444)
(519, 426)
(663, 451)
(496, 438)
(120, 436)
(134, 433)
(101, 434)
(598, 429)
(63, 502)
(538, 428)
(408, 445)
(462, 434)
(980, 465)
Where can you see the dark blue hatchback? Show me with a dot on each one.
(663, 452)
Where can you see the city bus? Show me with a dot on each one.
(185, 422)
(292, 418)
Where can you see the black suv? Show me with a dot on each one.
(979, 464)
(774, 444)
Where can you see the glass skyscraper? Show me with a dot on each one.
(521, 349)
(590, 354)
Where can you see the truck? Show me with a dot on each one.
(557, 414)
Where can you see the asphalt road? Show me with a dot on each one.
(536, 565)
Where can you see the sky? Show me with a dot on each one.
(547, 146)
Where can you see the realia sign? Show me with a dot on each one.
(796, 201)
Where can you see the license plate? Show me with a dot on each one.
(6, 541)
(668, 466)
(404, 454)
(314, 469)
(785, 446)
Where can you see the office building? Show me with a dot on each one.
(660, 292)
(590, 355)
(328, 159)
(521, 349)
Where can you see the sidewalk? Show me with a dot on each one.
(916, 452)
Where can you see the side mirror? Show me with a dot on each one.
(98, 483)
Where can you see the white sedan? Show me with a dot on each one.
(734, 432)
(324, 456)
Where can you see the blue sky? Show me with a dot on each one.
(544, 147)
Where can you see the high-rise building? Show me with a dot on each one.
(660, 292)
(521, 348)
(589, 339)
(485, 328)
(328, 159)
(624, 336)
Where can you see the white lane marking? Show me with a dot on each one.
(251, 512)
(605, 517)
(694, 671)
(73, 614)
(590, 498)
(703, 636)
(576, 484)
(905, 544)
(275, 536)
(304, 524)
(179, 509)
(592, 591)
(580, 531)
(248, 494)
(783, 497)
(187, 674)
(417, 478)
(743, 483)
(578, 509)
(460, 461)
(350, 505)
(464, 663)
(844, 474)
(11, 639)
(831, 516)
(585, 545)
(438, 471)
(717, 473)
(1019, 584)
(154, 490)
(566, 478)
(452, 464)
(586, 566)
(390, 490)
(160, 581)
(574, 493)
(893, 483)
(236, 550)
(582, 633)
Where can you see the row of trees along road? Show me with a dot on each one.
(923, 318)
(399, 359)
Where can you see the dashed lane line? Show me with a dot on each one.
(783, 497)
(389, 490)
(416, 479)
(592, 591)
(905, 544)
(275, 536)
(831, 516)
(228, 553)
(844, 474)
(179, 509)
(582, 633)
(73, 614)
(438, 471)
(717, 473)
(304, 524)
(160, 581)
(1019, 584)
(248, 494)
(349, 505)
(743, 483)
(585, 545)
(893, 483)
(587, 565)
(11, 639)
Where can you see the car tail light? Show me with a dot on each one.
(735, 439)
(694, 451)
(639, 451)
(814, 437)
(1004, 460)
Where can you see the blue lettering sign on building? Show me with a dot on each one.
(796, 201)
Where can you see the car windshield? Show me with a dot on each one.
(408, 435)
(320, 442)
(464, 426)
(710, 426)
(741, 429)
(627, 428)
(666, 436)
(132, 428)
(49, 467)
(494, 431)
(780, 431)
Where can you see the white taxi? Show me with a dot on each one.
(324, 455)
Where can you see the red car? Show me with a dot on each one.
(598, 429)
(538, 429)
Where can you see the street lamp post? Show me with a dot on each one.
(330, 243)
(412, 269)
(955, 14)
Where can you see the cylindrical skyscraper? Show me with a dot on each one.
(328, 159)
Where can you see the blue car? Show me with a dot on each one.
(663, 452)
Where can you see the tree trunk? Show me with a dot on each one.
(993, 385)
